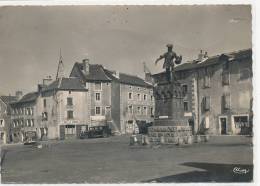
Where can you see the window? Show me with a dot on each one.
(145, 96)
(98, 111)
(206, 103)
(226, 101)
(98, 96)
(87, 85)
(139, 97)
(69, 114)
(2, 123)
(44, 116)
(184, 90)
(226, 65)
(107, 111)
(206, 81)
(151, 111)
(244, 74)
(145, 110)
(69, 101)
(70, 129)
(130, 95)
(151, 98)
(44, 103)
(130, 109)
(2, 136)
(139, 110)
(185, 104)
(225, 78)
(28, 123)
(98, 86)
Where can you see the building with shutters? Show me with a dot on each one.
(63, 109)
(217, 93)
(119, 100)
(24, 117)
(5, 118)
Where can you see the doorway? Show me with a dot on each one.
(223, 125)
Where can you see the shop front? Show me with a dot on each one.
(241, 124)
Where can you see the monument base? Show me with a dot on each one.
(170, 134)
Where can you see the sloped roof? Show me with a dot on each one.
(66, 84)
(30, 97)
(127, 79)
(96, 72)
(8, 99)
(215, 59)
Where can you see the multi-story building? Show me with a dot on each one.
(63, 107)
(24, 117)
(217, 93)
(5, 118)
(117, 99)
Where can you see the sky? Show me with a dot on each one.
(118, 37)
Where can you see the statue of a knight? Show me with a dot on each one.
(170, 58)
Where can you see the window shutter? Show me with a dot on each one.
(207, 122)
(227, 101)
(206, 103)
(225, 78)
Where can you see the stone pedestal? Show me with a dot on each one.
(169, 119)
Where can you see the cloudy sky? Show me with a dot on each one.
(119, 37)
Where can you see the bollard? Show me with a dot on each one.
(180, 141)
(162, 140)
(206, 138)
(197, 139)
(189, 140)
(146, 140)
(132, 140)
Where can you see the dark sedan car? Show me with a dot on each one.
(95, 132)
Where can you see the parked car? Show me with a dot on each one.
(95, 132)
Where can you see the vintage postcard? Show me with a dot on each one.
(126, 94)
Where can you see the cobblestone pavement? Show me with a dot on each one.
(112, 160)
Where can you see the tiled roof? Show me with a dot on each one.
(8, 99)
(127, 79)
(215, 59)
(96, 72)
(66, 84)
(30, 97)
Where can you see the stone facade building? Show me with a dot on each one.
(55, 111)
(5, 118)
(117, 99)
(217, 93)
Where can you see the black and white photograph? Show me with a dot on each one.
(127, 94)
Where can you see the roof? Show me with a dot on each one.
(8, 99)
(127, 79)
(30, 97)
(96, 72)
(66, 84)
(214, 60)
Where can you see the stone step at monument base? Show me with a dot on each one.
(170, 122)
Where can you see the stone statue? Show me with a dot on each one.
(170, 58)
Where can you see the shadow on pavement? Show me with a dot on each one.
(213, 173)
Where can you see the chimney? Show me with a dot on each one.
(18, 94)
(206, 55)
(85, 64)
(117, 74)
(46, 81)
(148, 77)
(200, 56)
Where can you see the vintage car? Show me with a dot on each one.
(95, 132)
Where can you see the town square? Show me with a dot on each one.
(135, 96)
